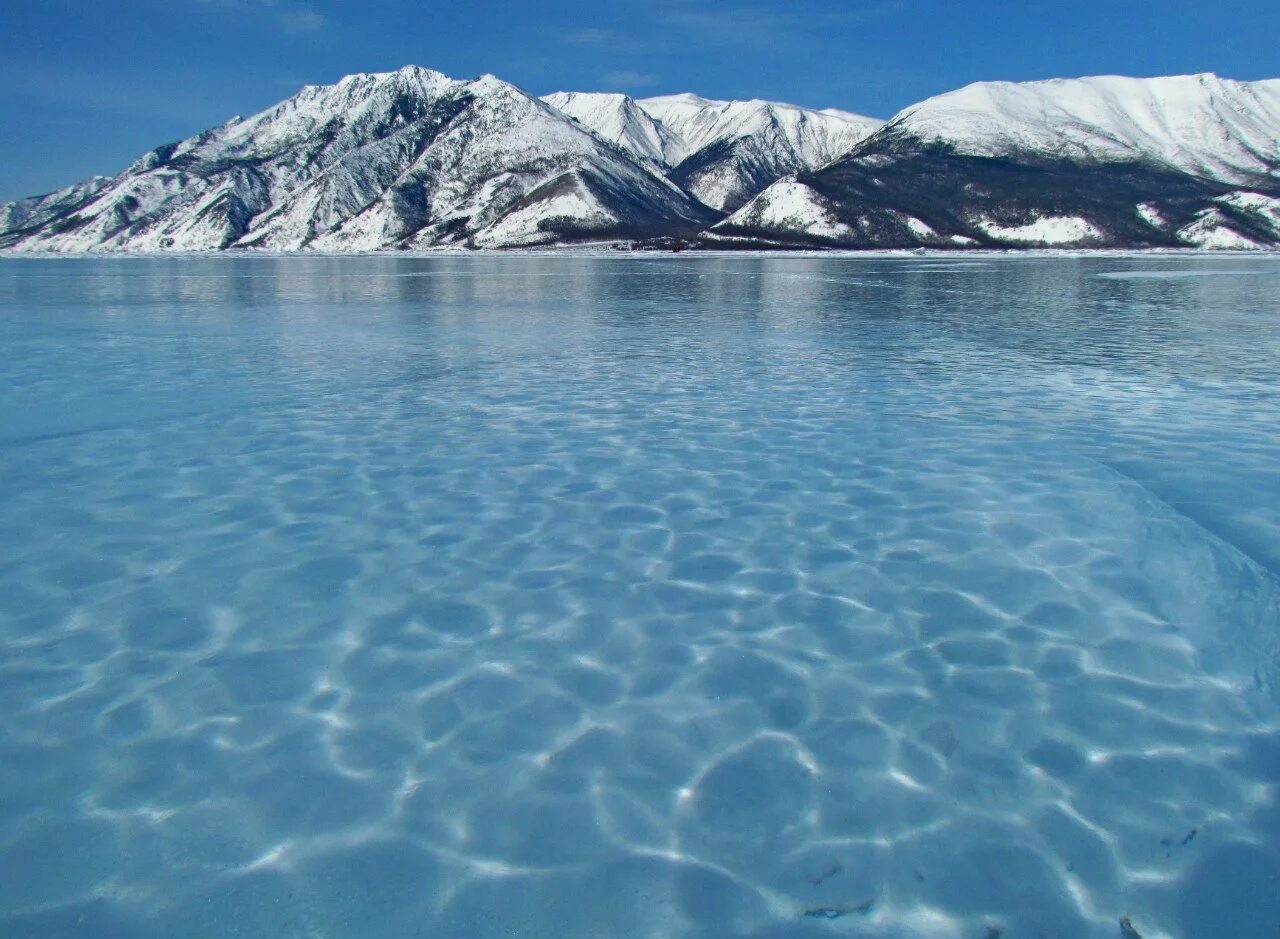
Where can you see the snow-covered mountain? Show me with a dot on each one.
(410, 158)
(1093, 162)
(1199, 124)
(722, 152)
(414, 159)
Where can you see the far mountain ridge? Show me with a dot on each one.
(415, 160)
(721, 152)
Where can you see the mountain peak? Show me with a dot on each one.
(684, 97)
(612, 97)
(414, 72)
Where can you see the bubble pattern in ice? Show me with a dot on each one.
(585, 597)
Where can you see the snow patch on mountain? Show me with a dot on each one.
(1237, 220)
(1051, 231)
(1264, 208)
(921, 230)
(787, 208)
(1150, 213)
(1212, 229)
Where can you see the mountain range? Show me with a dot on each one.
(415, 160)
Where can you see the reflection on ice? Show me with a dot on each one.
(1176, 274)
(604, 596)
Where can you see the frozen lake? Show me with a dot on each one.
(587, 597)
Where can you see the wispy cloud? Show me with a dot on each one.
(295, 19)
(598, 39)
(764, 25)
(590, 36)
(712, 23)
(629, 79)
(299, 21)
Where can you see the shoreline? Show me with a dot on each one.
(606, 251)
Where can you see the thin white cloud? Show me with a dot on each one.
(300, 21)
(747, 24)
(629, 79)
(763, 25)
(590, 36)
(296, 19)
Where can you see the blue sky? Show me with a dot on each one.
(91, 84)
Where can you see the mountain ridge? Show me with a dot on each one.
(415, 160)
(721, 152)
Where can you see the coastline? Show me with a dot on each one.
(607, 250)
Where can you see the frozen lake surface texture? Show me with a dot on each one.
(587, 597)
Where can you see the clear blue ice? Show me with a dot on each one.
(588, 597)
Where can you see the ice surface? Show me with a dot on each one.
(639, 596)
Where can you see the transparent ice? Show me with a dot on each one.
(586, 597)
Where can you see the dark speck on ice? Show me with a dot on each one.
(835, 912)
(826, 875)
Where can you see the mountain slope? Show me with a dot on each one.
(410, 158)
(722, 152)
(39, 210)
(1095, 162)
(817, 137)
(621, 121)
(1202, 125)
